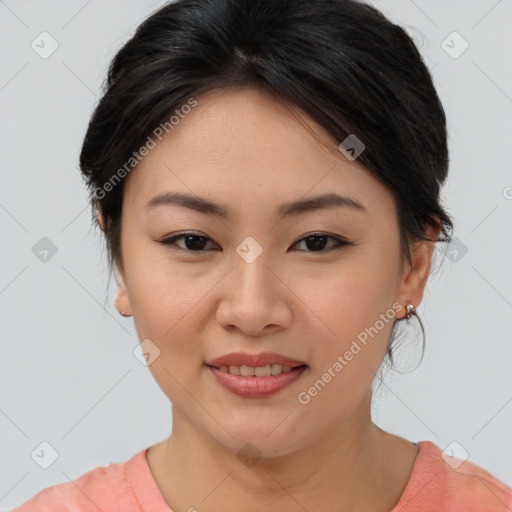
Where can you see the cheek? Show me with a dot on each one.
(355, 319)
(169, 306)
(352, 321)
(170, 313)
(348, 297)
(161, 291)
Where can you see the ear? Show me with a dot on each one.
(101, 219)
(123, 299)
(415, 275)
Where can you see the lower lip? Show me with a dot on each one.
(256, 387)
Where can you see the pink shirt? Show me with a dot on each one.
(434, 486)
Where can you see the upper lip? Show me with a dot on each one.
(254, 360)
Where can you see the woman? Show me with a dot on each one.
(267, 177)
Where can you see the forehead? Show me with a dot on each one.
(244, 147)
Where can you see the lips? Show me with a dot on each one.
(257, 387)
(254, 360)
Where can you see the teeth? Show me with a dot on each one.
(260, 371)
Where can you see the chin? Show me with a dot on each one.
(254, 444)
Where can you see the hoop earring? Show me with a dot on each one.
(409, 311)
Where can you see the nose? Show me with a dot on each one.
(255, 300)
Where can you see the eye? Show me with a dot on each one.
(193, 242)
(315, 242)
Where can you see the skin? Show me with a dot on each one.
(252, 152)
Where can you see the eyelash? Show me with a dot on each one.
(340, 242)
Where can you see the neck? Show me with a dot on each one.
(193, 470)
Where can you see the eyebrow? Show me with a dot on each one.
(199, 204)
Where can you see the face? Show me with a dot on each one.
(308, 283)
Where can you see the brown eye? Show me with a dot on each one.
(317, 242)
(191, 242)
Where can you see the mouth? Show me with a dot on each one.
(255, 375)
(257, 382)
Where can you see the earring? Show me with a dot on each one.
(409, 310)
(124, 314)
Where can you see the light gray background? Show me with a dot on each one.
(68, 375)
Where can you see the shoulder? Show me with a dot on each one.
(101, 487)
(450, 484)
